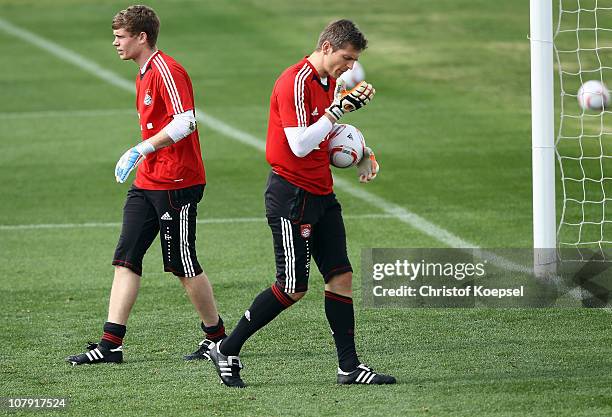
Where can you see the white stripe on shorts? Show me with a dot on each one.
(184, 241)
(287, 232)
(284, 235)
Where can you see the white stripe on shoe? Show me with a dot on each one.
(97, 353)
(341, 372)
(361, 375)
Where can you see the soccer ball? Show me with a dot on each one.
(593, 95)
(353, 76)
(346, 145)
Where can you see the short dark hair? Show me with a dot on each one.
(136, 19)
(342, 32)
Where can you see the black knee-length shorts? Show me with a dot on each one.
(172, 214)
(304, 224)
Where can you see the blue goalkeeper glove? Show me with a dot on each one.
(130, 160)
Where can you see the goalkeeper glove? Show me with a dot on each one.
(130, 160)
(368, 167)
(347, 101)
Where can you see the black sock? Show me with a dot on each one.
(113, 335)
(216, 332)
(341, 318)
(267, 305)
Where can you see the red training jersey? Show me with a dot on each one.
(164, 89)
(299, 99)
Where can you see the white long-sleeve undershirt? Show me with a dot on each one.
(302, 140)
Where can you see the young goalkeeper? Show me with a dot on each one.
(169, 185)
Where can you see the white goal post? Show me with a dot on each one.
(542, 130)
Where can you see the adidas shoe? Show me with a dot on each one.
(97, 354)
(202, 352)
(228, 367)
(364, 375)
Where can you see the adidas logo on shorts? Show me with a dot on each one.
(166, 216)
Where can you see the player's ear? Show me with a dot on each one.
(142, 37)
(326, 47)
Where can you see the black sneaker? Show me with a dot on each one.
(364, 375)
(202, 351)
(96, 354)
(228, 367)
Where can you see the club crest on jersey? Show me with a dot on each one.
(148, 99)
(305, 230)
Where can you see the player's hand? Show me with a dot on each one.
(348, 101)
(368, 167)
(130, 160)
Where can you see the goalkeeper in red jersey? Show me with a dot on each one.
(302, 210)
(169, 184)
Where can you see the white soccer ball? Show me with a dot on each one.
(593, 95)
(353, 76)
(346, 145)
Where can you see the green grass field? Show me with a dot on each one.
(451, 128)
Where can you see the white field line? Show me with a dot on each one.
(414, 220)
(228, 220)
(66, 113)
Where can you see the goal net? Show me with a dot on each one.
(583, 50)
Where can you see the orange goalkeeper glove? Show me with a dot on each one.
(368, 167)
(348, 101)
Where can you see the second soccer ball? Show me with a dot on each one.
(593, 95)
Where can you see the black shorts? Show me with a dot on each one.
(303, 224)
(174, 212)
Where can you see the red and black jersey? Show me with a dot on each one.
(163, 89)
(299, 99)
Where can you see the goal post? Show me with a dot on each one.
(542, 131)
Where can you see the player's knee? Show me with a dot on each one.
(340, 283)
(124, 272)
(187, 281)
(296, 296)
